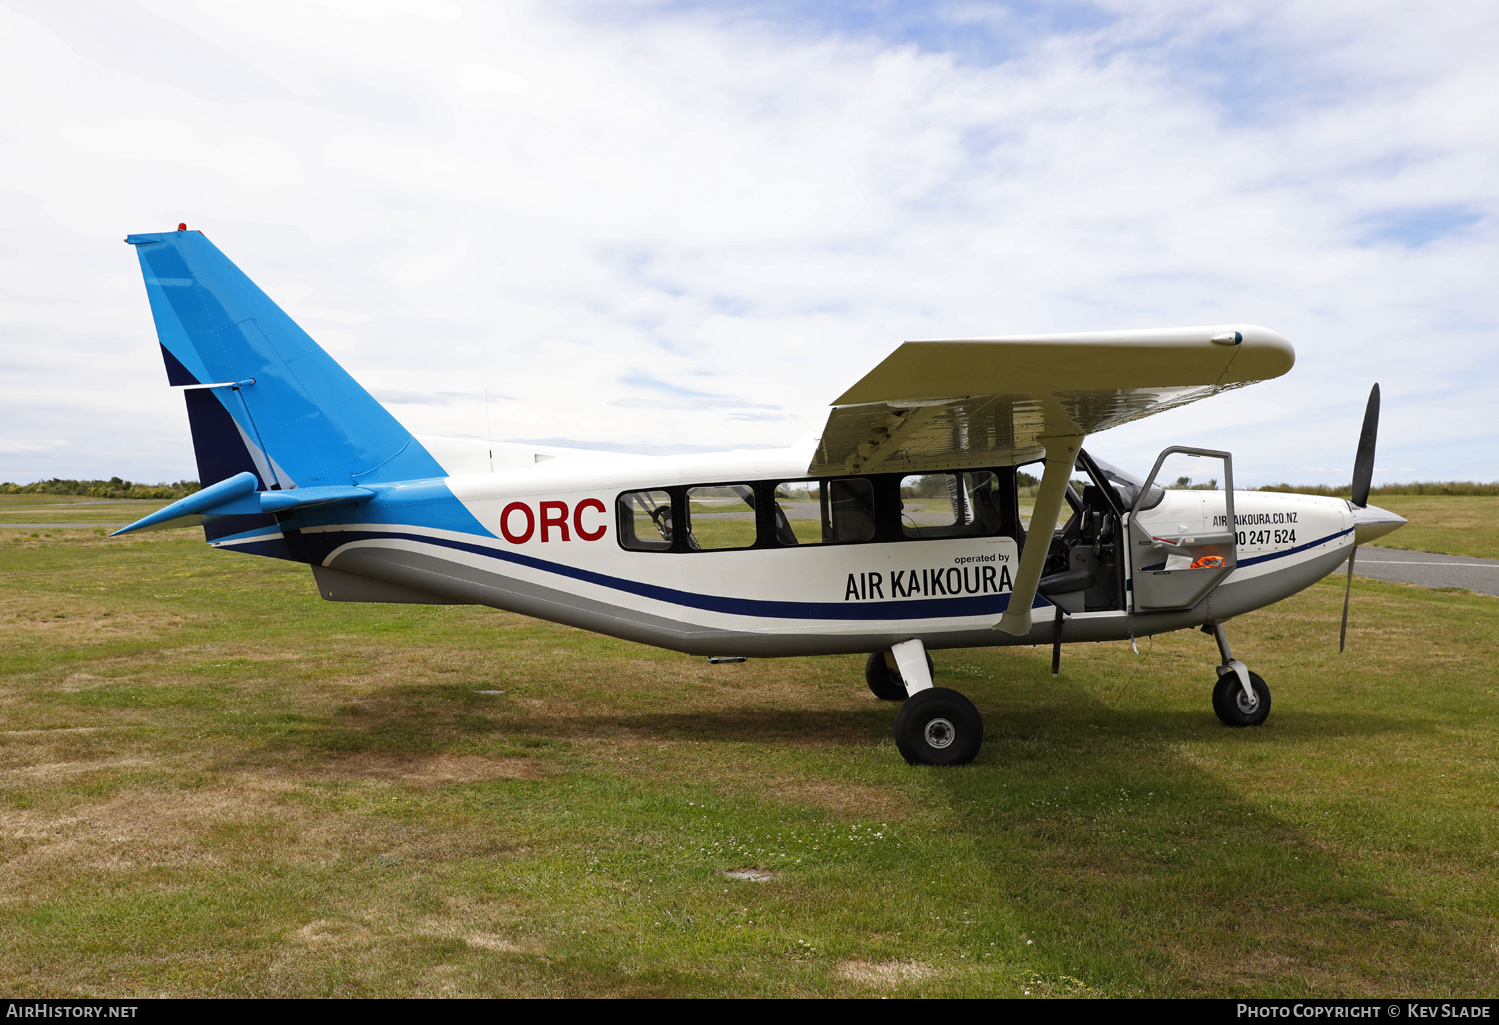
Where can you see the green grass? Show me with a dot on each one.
(1446, 524)
(710, 534)
(79, 509)
(213, 783)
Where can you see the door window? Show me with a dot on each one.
(1183, 544)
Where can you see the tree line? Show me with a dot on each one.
(1430, 487)
(115, 487)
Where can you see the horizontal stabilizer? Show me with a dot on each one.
(303, 498)
(225, 492)
(237, 496)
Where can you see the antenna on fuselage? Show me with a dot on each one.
(488, 431)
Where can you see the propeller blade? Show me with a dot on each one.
(1348, 593)
(1363, 464)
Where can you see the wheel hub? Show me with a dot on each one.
(1247, 703)
(940, 733)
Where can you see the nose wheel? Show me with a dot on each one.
(1234, 706)
(1240, 697)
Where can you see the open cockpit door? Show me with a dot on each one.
(1181, 538)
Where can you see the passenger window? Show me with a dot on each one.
(826, 511)
(848, 512)
(721, 517)
(645, 520)
(950, 505)
(799, 513)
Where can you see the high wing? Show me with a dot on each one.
(936, 405)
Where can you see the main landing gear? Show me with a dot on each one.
(884, 679)
(936, 725)
(1240, 697)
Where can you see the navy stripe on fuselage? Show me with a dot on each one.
(1292, 551)
(931, 608)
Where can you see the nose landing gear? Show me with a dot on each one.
(884, 679)
(1240, 697)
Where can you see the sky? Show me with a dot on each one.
(660, 226)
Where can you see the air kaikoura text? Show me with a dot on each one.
(1284, 533)
(927, 583)
(1256, 519)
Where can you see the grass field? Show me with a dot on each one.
(72, 509)
(213, 783)
(1447, 524)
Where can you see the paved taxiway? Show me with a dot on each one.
(1481, 575)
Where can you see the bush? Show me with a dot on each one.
(1443, 487)
(112, 488)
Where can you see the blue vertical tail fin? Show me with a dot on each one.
(262, 396)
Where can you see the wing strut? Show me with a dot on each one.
(1061, 456)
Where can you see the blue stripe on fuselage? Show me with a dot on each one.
(1292, 551)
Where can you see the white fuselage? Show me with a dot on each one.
(557, 555)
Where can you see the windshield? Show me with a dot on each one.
(1128, 485)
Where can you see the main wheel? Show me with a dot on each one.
(938, 726)
(884, 682)
(1234, 707)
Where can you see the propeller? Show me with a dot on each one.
(1363, 474)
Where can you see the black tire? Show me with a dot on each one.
(1231, 704)
(939, 726)
(886, 683)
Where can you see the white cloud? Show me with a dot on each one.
(554, 200)
(481, 78)
(10, 446)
